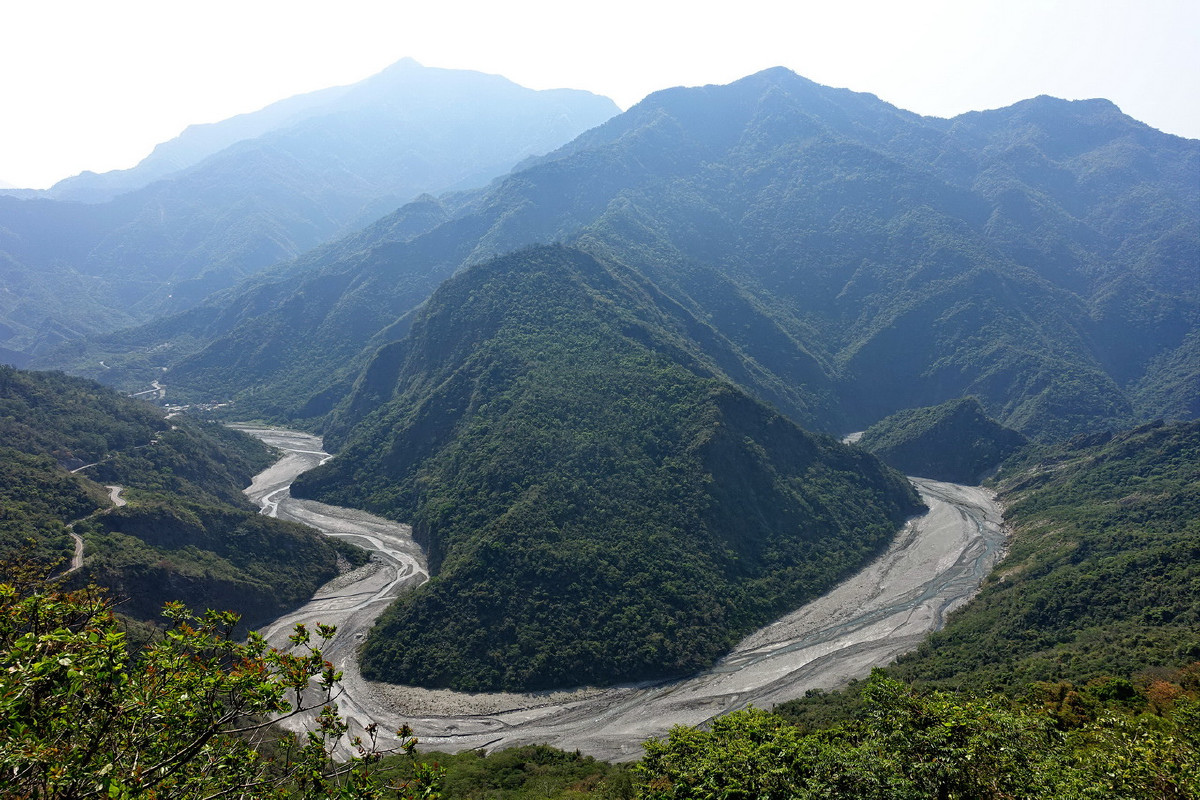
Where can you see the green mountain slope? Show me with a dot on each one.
(878, 240)
(1103, 576)
(1089, 624)
(857, 258)
(954, 442)
(36, 498)
(187, 532)
(598, 503)
(288, 342)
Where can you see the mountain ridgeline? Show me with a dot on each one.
(583, 383)
(223, 201)
(851, 258)
(598, 501)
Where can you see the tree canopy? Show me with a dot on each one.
(598, 502)
(189, 716)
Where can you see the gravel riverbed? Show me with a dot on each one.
(934, 565)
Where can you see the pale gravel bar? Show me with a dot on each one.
(934, 565)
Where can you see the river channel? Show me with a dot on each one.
(934, 565)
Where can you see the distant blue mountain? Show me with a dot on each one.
(845, 258)
(222, 201)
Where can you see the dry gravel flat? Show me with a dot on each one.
(935, 564)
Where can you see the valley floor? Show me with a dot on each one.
(934, 565)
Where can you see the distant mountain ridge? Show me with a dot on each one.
(316, 167)
(190, 147)
(855, 259)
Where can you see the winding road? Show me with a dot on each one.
(934, 565)
(114, 496)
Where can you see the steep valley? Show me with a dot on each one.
(585, 419)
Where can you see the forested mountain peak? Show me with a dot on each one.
(194, 144)
(1071, 124)
(775, 103)
(598, 502)
(955, 441)
(406, 87)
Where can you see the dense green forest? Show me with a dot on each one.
(1100, 579)
(594, 511)
(602, 441)
(1103, 573)
(187, 532)
(187, 713)
(854, 260)
(518, 773)
(1115, 741)
(955, 441)
(1113, 738)
(82, 715)
(1074, 674)
(1066, 677)
(37, 499)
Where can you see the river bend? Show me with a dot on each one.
(934, 565)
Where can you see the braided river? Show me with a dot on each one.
(935, 564)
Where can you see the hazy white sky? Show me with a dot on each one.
(94, 85)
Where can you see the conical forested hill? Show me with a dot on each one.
(857, 258)
(954, 441)
(599, 504)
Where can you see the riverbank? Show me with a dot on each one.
(935, 564)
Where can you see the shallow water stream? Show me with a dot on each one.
(934, 565)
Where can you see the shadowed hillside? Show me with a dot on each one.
(598, 503)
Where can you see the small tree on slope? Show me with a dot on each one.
(82, 717)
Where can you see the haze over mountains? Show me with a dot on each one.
(780, 253)
(849, 259)
(600, 388)
(626, 335)
(222, 201)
